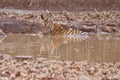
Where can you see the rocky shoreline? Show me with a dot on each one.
(30, 21)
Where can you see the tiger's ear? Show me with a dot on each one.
(42, 17)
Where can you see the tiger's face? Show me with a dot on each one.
(47, 26)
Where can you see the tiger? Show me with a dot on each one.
(52, 28)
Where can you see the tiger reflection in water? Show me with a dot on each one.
(51, 45)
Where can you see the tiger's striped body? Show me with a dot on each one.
(58, 30)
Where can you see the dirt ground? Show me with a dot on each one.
(56, 5)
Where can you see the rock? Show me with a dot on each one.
(22, 57)
(108, 29)
(2, 34)
(85, 28)
(1, 56)
(19, 26)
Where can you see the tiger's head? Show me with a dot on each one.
(47, 25)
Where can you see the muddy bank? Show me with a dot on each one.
(13, 22)
(56, 5)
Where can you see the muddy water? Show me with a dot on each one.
(94, 48)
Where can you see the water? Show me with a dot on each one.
(100, 48)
